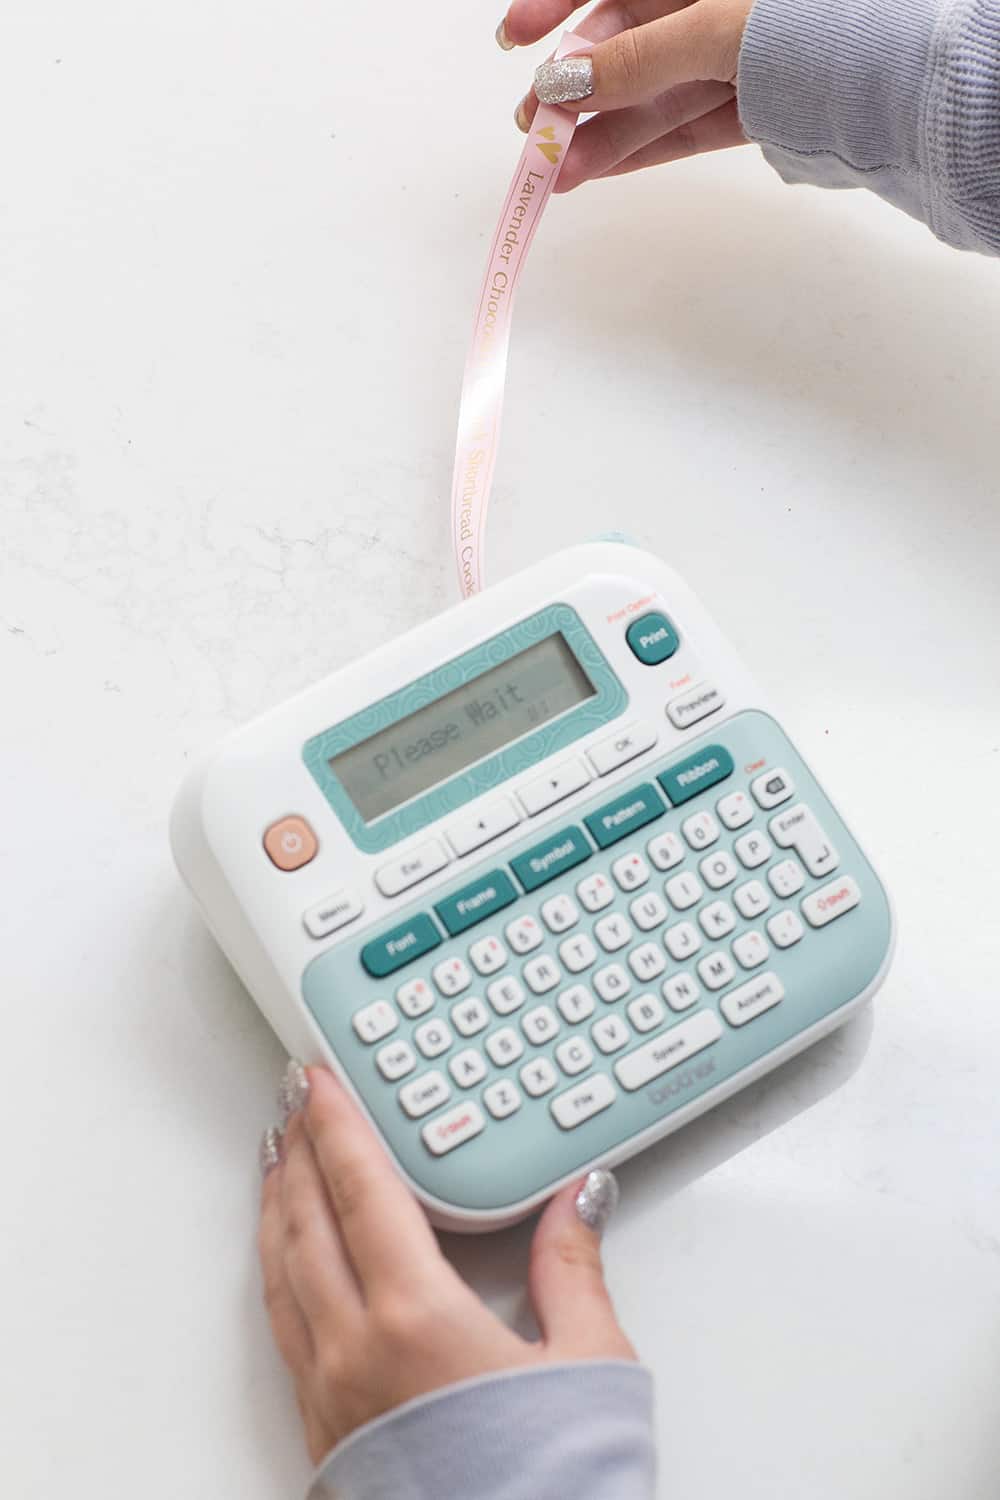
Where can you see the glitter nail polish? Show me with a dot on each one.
(569, 78)
(270, 1150)
(597, 1200)
(503, 40)
(294, 1089)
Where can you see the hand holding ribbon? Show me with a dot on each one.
(485, 369)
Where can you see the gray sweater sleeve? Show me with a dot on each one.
(900, 96)
(582, 1430)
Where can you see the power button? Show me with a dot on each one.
(290, 843)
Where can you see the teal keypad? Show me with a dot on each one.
(551, 858)
(621, 818)
(475, 902)
(405, 943)
(570, 994)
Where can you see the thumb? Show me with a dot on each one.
(566, 1277)
(698, 43)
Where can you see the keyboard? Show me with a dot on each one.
(549, 1008)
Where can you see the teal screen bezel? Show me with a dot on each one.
(609, 699)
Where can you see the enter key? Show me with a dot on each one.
(798, 828)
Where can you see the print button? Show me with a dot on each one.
(290, 843)
(652, 638)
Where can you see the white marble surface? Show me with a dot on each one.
(238, 250)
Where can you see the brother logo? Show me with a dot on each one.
(681, 1081)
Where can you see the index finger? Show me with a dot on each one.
(384, 1230)
(528, 21)
(608, 19)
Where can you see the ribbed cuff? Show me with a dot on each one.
(544, 1433)
(835, 92)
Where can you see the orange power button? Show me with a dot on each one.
(290, 843)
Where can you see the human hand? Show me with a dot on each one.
(662, 74)
(365, 1310)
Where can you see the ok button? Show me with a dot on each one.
(634, 739)
(652, 638)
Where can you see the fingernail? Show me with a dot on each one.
(597, 1200)
(521, 116)
(294, 1090)
(270, 1150)
(559, 82)
(503, 39)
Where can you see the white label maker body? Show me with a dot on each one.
(541, 880)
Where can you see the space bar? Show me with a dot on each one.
(668, 1050)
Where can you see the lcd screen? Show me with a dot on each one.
(462, 727)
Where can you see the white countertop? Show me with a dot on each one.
(238, 253)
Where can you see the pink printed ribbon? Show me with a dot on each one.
(486, 366)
